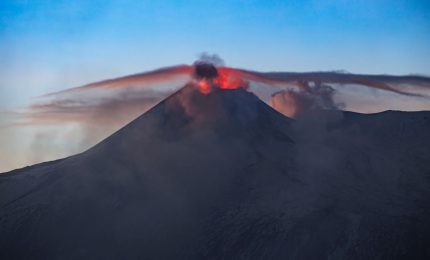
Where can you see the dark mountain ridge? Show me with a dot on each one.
(224, 176)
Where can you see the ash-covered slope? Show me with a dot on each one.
(223, 176)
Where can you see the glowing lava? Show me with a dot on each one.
(208, 77)
(230, 79)
(204, 86)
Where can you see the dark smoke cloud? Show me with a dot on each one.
(213, 59)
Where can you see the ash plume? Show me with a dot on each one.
(284, 91)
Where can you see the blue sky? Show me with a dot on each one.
(51, 45)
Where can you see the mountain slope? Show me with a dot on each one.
(225, 176)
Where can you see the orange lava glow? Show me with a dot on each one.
(204, 86)
(227, 79)
(230, 79)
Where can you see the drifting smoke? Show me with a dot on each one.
(98, 109)
(293, 103)
(120, 106)
(141, 80)
(122, 99)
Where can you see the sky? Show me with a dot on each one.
(51, 45)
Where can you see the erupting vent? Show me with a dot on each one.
(207, 77)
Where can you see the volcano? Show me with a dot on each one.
(222, 175)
